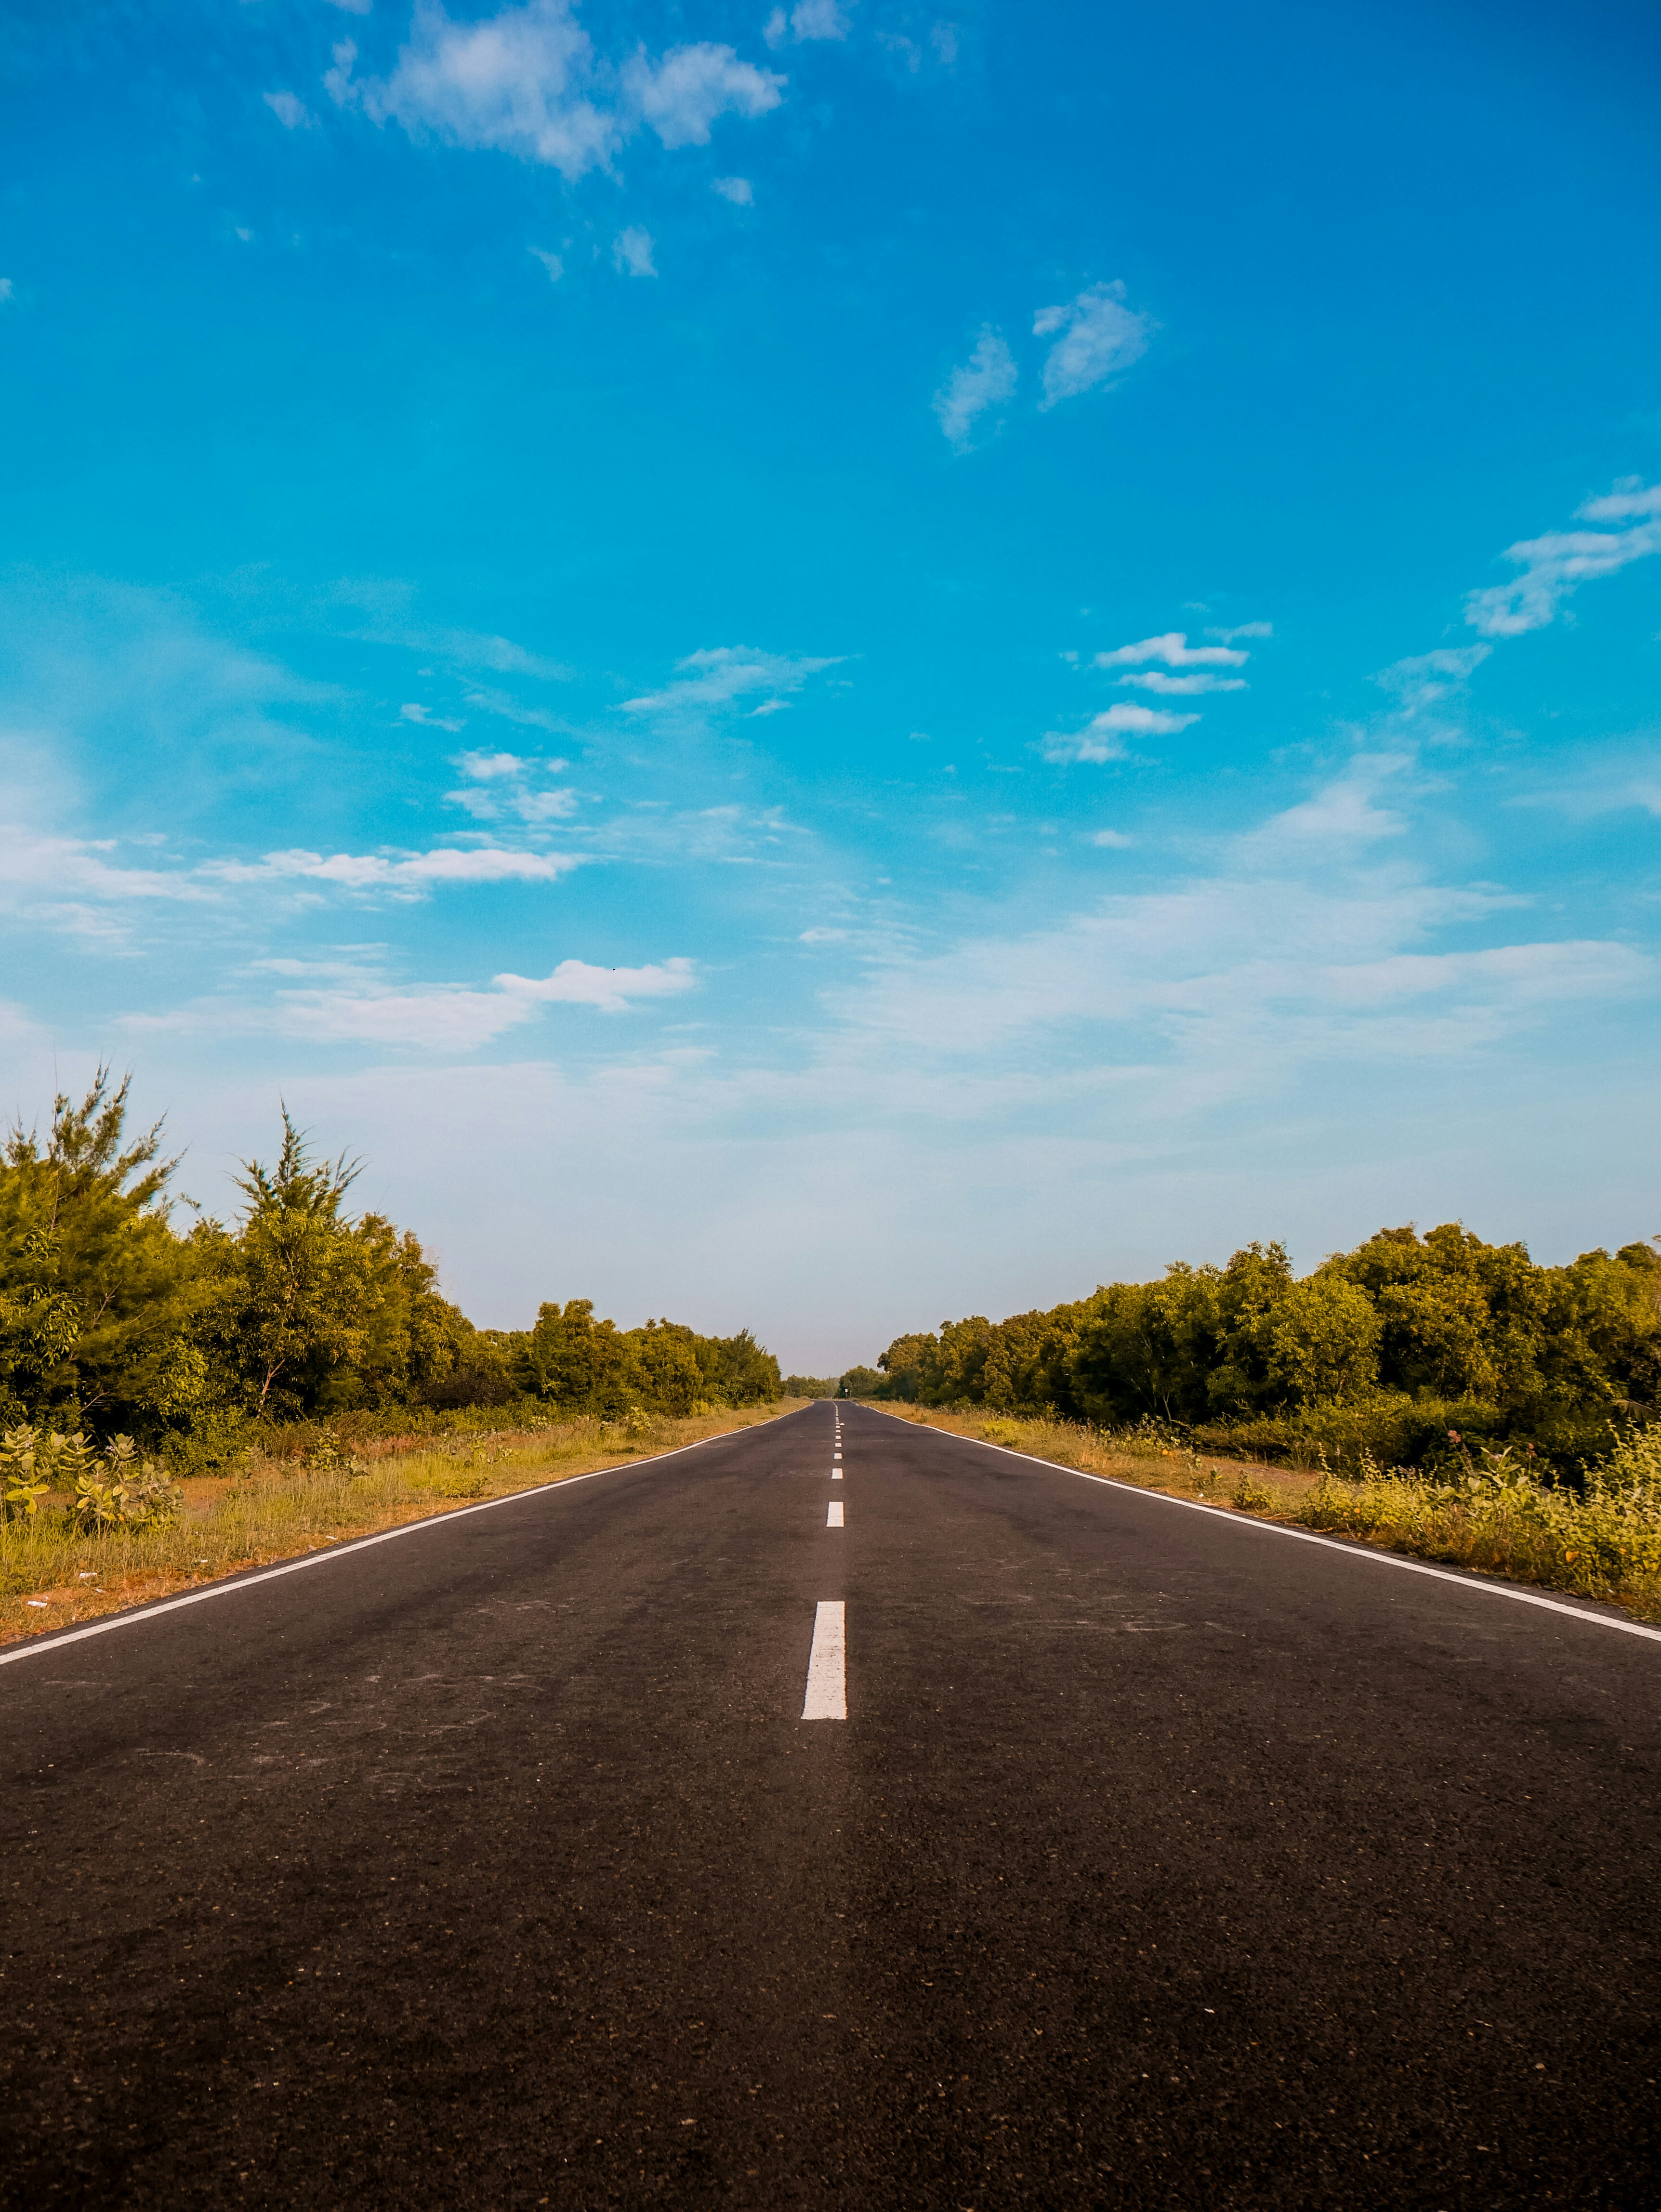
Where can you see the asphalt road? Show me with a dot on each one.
(1159, 1861)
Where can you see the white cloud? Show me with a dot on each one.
(1557, 565)
(819, 19)
(525, 82)
(447, 1018)
(338, 80)
(1173, 649)
(631, 252)
(1631, 499)
(1100, 336)
(412, 711)
(1339, 817)
(1242, 630)
(716, 676)
(1426, 678)
(513, 710)
(551, 262)
(501, 786)
(574, 983)
(353, 7)
(1102, 738)
(809, 19)
(987, 380)
(1184, 686)
(1311, 938)
(489, 767)
(736, 189)
(54, 877)
(943, 37)
(681, 96)
(291, 112)
(5, 289)
(410, 874)
(1114, 840)
(513, 82)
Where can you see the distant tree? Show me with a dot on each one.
(861, 1382)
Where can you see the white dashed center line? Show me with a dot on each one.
(827, 1665)
(836, 1475)
(833, 1513)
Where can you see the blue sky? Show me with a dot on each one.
(814, 668)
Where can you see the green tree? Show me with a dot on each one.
(97, 1293)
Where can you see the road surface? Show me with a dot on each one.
(1160, 1860)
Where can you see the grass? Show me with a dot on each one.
(1605, 1545)
(274, 1509)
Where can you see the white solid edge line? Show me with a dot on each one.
(132, 1619)
(827, 1664)
(1350, 1551)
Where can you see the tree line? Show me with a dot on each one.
(1388, 1348)
(119, 1317)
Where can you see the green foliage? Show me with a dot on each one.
(810, 1386)
(296, 1312)
(1384, 1350)
(582, 1365)
(861, 1382)
(97, 1299)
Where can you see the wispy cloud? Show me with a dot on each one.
(504, 786)
(290, 112)
(1242, 629)
(551, 262)
(718, 675)
(1174, 651)
(449, 1018)
(1556, 566)
(1313, 933)
(681, 96)
(987, 380)
(1425, 679)
(525, 82)
(736, 189)
(1102, 738)
(1100, 336)
(808, 19)
(1186, 687)
(631, 252)
(423, 717)
(409, 875)
(612, 990)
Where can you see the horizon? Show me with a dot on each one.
(810, 667)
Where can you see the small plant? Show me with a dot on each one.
(1251, 1495)
(120, 1491)
(23, 1469)
(636, 1425)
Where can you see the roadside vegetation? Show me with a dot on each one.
(322, 1486)
(181, 1395)
(1409, 1352)
(1598, 1539)
(1434, 1393)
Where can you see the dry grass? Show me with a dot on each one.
(50, 1577)
(1605, 1547)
